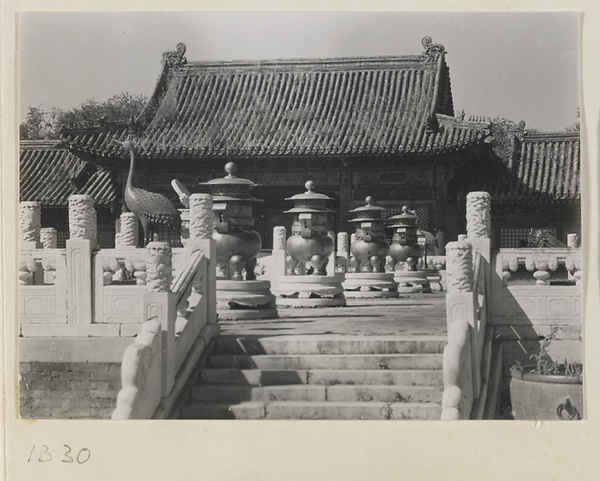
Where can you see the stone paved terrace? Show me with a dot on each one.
(420, 315)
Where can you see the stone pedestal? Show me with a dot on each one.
(370, 285)
(245, 300)
(310, 291)
(412, 281)
(435, 280)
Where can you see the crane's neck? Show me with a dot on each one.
(131, 166)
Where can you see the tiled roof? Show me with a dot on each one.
(348, 106)
(50, 174)
(545, 166)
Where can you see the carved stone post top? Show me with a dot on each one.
(29, 224)
(82, 217)
(29, 204)
(81, 198)
(49, 237)
(163, 248)
(158, 266)
(200, 198)
(459, 264)
(479, 193)
(201, 216)
(572, 240)
(129, 229)
(342, 241)
(479, 214)
(279, 237)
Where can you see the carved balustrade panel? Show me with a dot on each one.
(124, 267)
(538, 305)
(545, 266)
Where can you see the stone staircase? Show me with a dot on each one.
(319, 377)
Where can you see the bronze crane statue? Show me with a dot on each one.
(151, 208)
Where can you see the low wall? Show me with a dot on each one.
(68, 390)
(69, 378)
(531, 301)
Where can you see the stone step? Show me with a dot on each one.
(327, 410)
(329, 345)
(384, 393)
(324, 361)
(253, 377)
(303, 392)
(415, 377)
(264, 377)
(352, 410)
(312, 410)
(245, 410)
(238, 394)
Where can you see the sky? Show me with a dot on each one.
(520, 66)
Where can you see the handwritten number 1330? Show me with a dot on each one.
(45, 456)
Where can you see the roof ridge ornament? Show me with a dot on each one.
(175, 58)
(520, 131)
(432, 50)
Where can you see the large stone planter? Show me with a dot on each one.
(545, 396)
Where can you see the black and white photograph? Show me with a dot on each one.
(339, 225)
(319, 219)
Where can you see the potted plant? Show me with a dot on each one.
(547, 389)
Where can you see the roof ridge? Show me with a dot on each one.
(458, 120)
(310, 61)
(41, 144)
(529, 136)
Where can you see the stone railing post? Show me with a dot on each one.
(159, 304)
(351, 260)
(278, 265)
(129, 231)
(30, 214)
(572, 240)
(479, 221)
(185, 226)
(330, 269)
(459, 372)
(201, 228)
(49, 238)
(479, 233)
(343, 251)
(81, 242)
(459, 265)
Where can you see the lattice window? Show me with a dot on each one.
(422, 219)
(170, 235)
(61, 238)
(422, 215)
(571, 229)
(106, 239)
(514, 237)
(518, 236)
